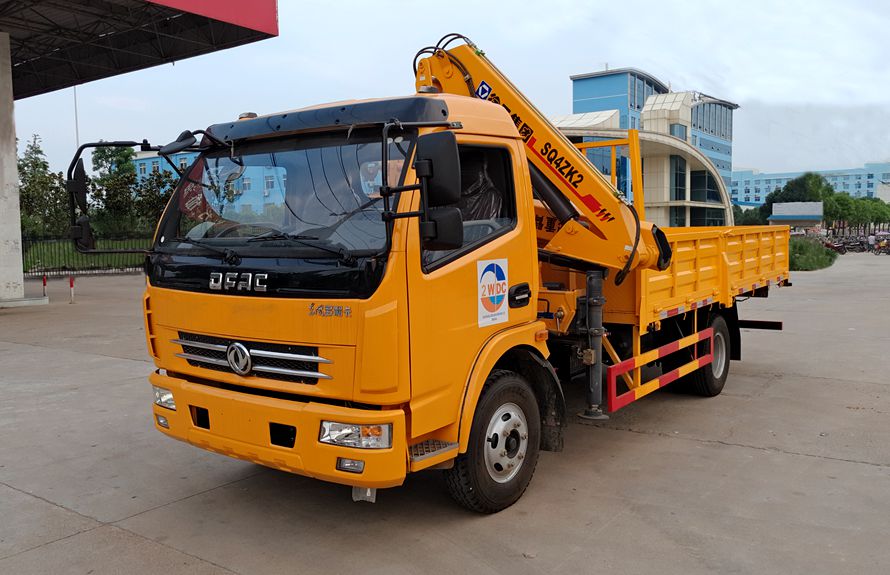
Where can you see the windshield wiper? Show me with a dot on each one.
(343, 255)
(229, 255)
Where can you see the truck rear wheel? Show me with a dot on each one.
(504, 443)
(709, 380)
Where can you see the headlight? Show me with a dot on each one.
(164, 397)
(376, 436)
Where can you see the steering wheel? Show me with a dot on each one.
(229, 231)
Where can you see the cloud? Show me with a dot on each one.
(784, 55)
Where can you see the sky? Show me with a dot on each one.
(812, 77)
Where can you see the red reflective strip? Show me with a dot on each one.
(669, 348)
(669, 377)
(673, 312)
(621, 401)
(613, 401)
(706, 359)
(611, 376)
(624, 366)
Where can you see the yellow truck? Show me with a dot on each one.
(365, 289)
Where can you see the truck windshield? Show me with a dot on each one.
(307, 197)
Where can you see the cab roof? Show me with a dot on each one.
(475, 115)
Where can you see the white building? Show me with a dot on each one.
(682, 187)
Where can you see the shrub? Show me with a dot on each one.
(809, 254)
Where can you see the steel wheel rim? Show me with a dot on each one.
(718, 363)
(506, 442)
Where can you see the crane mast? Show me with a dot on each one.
(597, 226)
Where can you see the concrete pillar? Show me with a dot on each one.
(11, 280)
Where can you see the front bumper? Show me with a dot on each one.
(238, 426)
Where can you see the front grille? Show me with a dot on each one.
(294, 363)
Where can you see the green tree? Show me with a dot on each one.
(749, 217)
(844, 207)
(878, 210)
(113, 191)
(113, 161)
(152, 194)
(808, 187)
(43, 199)
(882, 213)
(830, 211)
(861, 214)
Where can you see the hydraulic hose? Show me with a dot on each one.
(622, 275)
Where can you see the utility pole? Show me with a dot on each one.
(76, 122)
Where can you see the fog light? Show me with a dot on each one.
(162, 421)
(164, 397)
(375, 436)
(350, 465)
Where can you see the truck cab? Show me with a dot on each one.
(292, 325)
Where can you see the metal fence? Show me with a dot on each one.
(56, 256)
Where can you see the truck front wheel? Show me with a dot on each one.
(505, 438)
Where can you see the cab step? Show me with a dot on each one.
(431, 449)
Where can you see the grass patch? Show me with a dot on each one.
(52, 255)
(808, 254)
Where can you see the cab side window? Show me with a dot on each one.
(487, 204)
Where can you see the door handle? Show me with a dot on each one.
(519, 295)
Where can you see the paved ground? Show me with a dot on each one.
(787, 472)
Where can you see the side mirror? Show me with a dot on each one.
(438, 161)
(185, 140)
(82, 235)
(443, 230)
(77, 186)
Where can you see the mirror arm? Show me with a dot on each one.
(389, 215)
(172, 165)
(80, 150)
(212, 138)
(388, 191)
(428, 230)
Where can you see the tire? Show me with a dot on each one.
(505, 440)
(709, 380)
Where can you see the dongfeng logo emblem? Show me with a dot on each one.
(239, 358)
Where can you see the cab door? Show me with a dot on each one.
(460, 298)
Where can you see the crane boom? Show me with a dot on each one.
(608, 232)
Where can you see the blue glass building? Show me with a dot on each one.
(627, 89)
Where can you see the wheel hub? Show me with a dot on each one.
(719, 355)
(507, 442)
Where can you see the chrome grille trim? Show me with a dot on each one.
(294, 372)
(210, 346)
(288, 356)
(285, 362)
(203, 358)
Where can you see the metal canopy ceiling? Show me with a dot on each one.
(60, 43)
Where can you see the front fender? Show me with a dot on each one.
(492, 351)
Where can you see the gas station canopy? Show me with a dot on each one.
(61, 43)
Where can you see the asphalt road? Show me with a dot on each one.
(788, 471)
